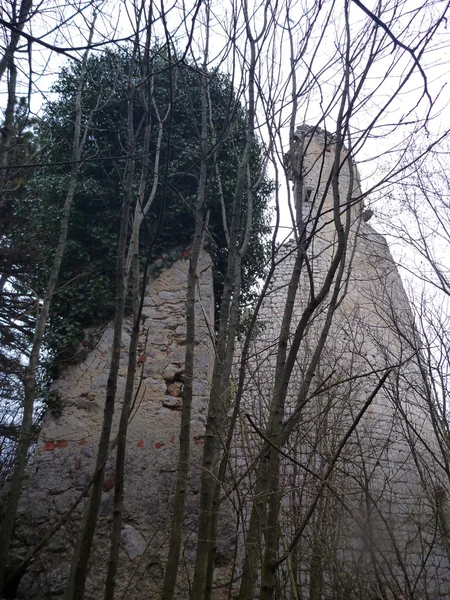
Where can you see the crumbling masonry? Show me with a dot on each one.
(375, 531)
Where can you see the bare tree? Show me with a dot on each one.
(290, 442)
(80, 134)
(418, 224)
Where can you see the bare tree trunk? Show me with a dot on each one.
(216, 418)
(79, 566)
(258, 516)
(185, 428)
(24, 14)
(26, 434)
(78, 572)
(8, 122)
(7, 62)
(276, 416)
(119, 489)
(132, 261)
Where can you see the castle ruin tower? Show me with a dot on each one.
(334, 444)
(373, 531)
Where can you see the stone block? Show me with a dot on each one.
(133, 542)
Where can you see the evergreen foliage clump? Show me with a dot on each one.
(85, 297)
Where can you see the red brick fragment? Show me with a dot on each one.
(140, 443)
(159, 445)
(109, 483)
(48, 446)
(174, 390)
(82, 442)
(172, 439)
(62, 444)
(142, 359)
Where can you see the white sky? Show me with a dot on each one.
(115, 21)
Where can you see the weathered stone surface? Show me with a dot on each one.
(375, 487)
(174, 390)
(67, 446)
(172, 403)
(133, 542)
(379, 504)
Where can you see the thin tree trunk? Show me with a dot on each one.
(176, 533)
(78, 571)
(219, 389)
(258, 519)
(7, 128)
(185, 441)
(258, 515)
(24, 13)
(79, 566)
(142, 205)
(337, 268)
(216, 419)
(26, 434)
(8, 62)
(119, 490)
(132, 262)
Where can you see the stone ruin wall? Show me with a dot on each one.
(67, 446)
(388, 507)
(362, 340)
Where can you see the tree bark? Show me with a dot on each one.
(75, 589)
(216, 418)
(176, 533)
(119, 489)
(26, 434)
